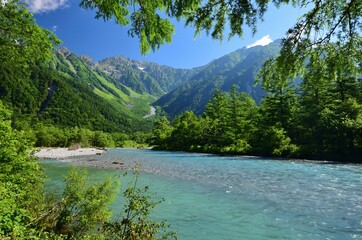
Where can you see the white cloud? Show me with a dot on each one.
(261, 42)
(54, 28)
(40, 6)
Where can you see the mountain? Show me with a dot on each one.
(239, 68)
(145, 77)
(87, 72)
(70, 91)
(116, 93)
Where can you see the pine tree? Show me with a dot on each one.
(217, 113)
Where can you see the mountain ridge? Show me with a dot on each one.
(117, 94)
(69, 77)
(178, 89)
(143, 76)
(239, 67)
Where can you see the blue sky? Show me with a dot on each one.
(84, 35)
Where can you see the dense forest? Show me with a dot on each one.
(318, 119)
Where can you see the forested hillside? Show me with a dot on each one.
(85, 71)
(240, 68)
(48, 96)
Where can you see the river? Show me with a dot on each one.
(214, 197)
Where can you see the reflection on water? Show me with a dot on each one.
(213, 197)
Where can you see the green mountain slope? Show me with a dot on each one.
(85, 71)
(239, 68)
(70, 103)
(145, 77)
(116, 93)
(49, 97)
(70, 91)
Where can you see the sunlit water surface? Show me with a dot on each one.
(214, 197)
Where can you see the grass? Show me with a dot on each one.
(140, 102)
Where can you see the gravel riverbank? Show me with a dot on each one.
(60, 153)
(87, 157)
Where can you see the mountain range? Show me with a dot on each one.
(145, 77)
(115, 94)
(237, 68)
(179, 90)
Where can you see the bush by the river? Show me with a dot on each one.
(81, 212)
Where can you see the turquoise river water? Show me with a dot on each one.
(213, 197)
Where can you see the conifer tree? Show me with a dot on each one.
(217, 113)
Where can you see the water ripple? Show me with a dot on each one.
(253, 198)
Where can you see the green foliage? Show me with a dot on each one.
(73, 104)
(322, 122)
(161, 133)
(330, 97)
(134, 222)
(345, 118)
(82, 207)
(227, 126)
(239, 146)
(22, 41)
(150, 19)
(29, 87)
(102, 139)
(274, 142)
(21, 180)
(341, 24)
(46, 96)
(217, 111)
(186, 132)
(152, 30)
(53, 136)
(230, 122)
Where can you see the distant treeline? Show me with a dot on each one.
(311, 122)
(52, 136)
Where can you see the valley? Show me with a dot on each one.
(130, 85)
(261, 141)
